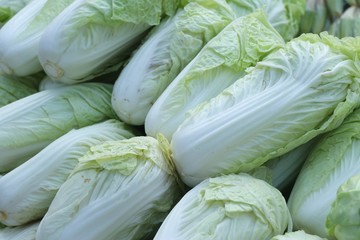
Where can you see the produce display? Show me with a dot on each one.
(180, 119)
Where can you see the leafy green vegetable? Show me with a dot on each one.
(222, 61)
(28, 190)
(176, 41)
(93, 37)
(31, 123)
(128, 186)
(21, 34)
(295, 94)
(332, 161)
(228, 207)
(168, 48)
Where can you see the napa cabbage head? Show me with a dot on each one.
(170, 46)
(241, 44)
(228, 207)
(21, 34)
(28, 190)
(336, 157)
(31, 123)
(128, 185)
(93, 37)
(293, 95)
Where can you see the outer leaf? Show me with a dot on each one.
(343, 221)
(222, 60)
(31, 123)
(290, 97)
(336, 157)
(227, 207)
(28, 190)
(126, 185)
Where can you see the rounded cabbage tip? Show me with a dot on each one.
(235, 190)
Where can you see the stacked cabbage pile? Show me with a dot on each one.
(179, 119)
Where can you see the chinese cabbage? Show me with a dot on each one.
(295, 94)
(228, 207)
(92, 37)
(28, 190)
(336, 156)
(31, 123)
(219, 63)
(19, 37)
(120, 190)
